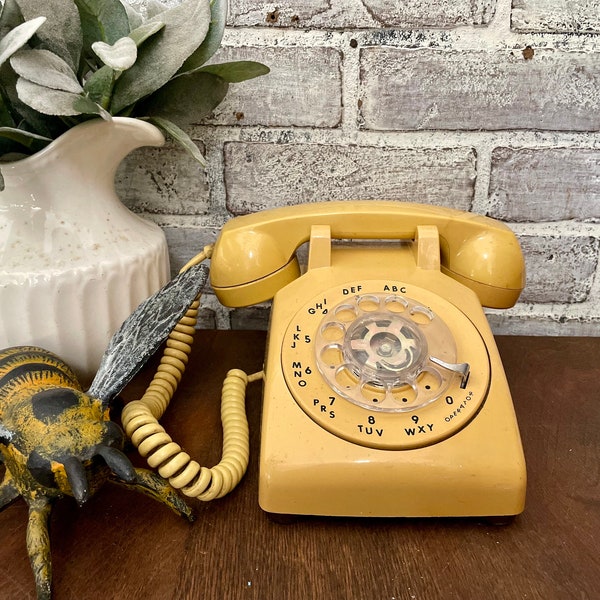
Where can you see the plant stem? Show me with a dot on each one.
(107, 96)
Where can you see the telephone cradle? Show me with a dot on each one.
(384, 394)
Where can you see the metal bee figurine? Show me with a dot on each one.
(56, 439)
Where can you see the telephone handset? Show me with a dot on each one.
(255, 254)
(384, 394)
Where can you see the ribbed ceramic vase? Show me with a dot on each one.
(74, 261)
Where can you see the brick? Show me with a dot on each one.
(549, 184)
(259, 176)
(185, 242)
(352, 14)
(309, 14)
(472, 90)
(559, 268)
(163, 181)
(431, 13)
(304, 88)
(254, 317)
(568, 16)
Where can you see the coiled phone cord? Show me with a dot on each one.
(140, 418)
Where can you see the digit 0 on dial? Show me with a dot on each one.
(382, 369)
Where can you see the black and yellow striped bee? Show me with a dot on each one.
(56, 439)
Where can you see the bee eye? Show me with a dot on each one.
(41, 469)
(48, 405)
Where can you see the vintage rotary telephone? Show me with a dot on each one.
(384, 394)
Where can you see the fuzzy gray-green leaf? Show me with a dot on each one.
(135, 18)
(18, 37)
(238, 71)
(33, 120)
(212, 41)
(180, 137)
(100, 83)
(154, 8)
(61, 33)
(119, 56)
(140, 34)
(188, 98)
(10, 16)
(45, 68)
(162, 55)
(24, 138)
(87, 106)
(99, 86)
(46, 100)
(102, 21)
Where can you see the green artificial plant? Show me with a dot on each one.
(65, 61)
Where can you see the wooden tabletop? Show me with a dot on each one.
(125, 545)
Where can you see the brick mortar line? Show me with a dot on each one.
(215, 173)
(485, 38)
(554, 311)
(350, 90)
(481, 193)
(426, 138)
(200, 222)
(557, 228)
(502, 15)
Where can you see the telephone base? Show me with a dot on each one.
(478, 472)
(384, 391)
(389, 501)
(457, 497)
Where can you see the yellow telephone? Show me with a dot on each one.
(384, 394)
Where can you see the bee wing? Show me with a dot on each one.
(143, 332)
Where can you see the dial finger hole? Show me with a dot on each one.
(345, 378)
(396, 304)
(333, 331)
(345, 313)
(368, 303)
(404, 395)
(429, 381)
(421, 315)
(373, 392)
(331, 355)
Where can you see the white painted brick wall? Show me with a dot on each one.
(556, 16)
(295, 173)
(352, 14)
(484, 105)
(426, 88)
(303, 89)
